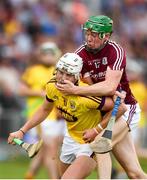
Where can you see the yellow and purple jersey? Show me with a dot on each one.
(80, 112)
(36, 77)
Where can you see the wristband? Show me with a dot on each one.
(22, 131)
(96, 130)
(101, 128)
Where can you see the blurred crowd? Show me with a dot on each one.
(25, 24)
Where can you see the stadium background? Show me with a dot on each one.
(24, 24)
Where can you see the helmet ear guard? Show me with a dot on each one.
(101, 35)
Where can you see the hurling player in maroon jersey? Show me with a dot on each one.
(104, 69)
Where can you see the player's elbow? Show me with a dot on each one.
(111, 91)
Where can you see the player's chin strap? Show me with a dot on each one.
(94, 51)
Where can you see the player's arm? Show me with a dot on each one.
(90, 134)
(39, 116)
(121, 110)
(108, 106)
(25, 90)
(104, 88)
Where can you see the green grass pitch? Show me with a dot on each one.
(15, 168)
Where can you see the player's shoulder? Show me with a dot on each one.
(34, 69)
(80, 49)
(50, 87)
(114, 45)
(96, 99)
(115, 49)
(51, 68)
(30, 72)
(35, 66)
(52, 81)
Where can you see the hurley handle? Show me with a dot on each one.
(18, 141)
(116, 106)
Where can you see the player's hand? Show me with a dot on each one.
(18, 134)
(89, 135)
(121, 94)
(66, 87)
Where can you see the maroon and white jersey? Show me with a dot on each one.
(95, 65)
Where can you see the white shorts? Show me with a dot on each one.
(31, 136)
(71, 149)
(53, 127)
(132, 115)
(49, 129)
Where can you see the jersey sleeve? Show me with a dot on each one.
(95, 102)
(117, 58)
(50, 92)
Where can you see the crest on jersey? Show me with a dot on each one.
(89, 63)
(72, 105)
(55, 98)
(104, 61)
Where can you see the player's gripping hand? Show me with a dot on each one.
(89, 135)
(18, 134)
(121, 94)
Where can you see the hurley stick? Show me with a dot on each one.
(103, 144)
(31, 149)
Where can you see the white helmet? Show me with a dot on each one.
(71, 63)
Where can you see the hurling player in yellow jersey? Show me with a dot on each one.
(32, 87)
(80, 113)
(135, 75)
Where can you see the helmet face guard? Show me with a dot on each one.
(99, 24)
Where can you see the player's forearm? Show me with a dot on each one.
(31, 93)
(27, 91)
(102, 125)
(105, 119)
(98, 89)
(36, 119)
(121, 110)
